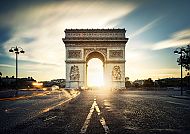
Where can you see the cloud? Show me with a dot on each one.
(6, 65)
(146, 27)
(180, 38)
(39, 29)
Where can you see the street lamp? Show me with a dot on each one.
(16, 50)
(181, 52)
(188, 80)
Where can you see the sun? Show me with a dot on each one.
(95, 73)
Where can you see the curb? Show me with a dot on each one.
(180, 97)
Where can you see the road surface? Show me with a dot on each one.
(103, 111)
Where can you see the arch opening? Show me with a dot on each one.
(95, 54)
(95, 73)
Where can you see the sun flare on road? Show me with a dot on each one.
(95, 72)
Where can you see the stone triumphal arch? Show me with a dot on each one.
(84, 44)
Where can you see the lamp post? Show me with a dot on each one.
(188, 80)
(16, 50)
(181, 52)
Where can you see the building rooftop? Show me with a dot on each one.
(96, 30)
(95, 35)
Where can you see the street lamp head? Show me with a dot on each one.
(22, 51)
(16, 49)
(176, 52)
(16, 52)
(179, 52)
(10, 50)
(182, 49)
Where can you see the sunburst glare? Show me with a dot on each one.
(95, 76)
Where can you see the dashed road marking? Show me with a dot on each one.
(88, 118)
(50, 118)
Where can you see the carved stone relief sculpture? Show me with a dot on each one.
(89, 50)
(116, 73)
(116, 53)
(74, 54)
(74, 73)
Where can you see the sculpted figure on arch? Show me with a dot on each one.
(74, 73)
(116, 73)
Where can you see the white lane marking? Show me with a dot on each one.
(59, 104)
(177, 103)
(101, 119)
(87, 121)
(50, 118)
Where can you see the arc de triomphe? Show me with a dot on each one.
(84, 44)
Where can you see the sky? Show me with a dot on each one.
(155, 28)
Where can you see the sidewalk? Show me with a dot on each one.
(185, 96)
(180, 97)
(25, 93)
(16, 93)
(8, 93)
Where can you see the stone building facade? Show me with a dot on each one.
(84, 44)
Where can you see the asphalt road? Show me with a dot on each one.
(101, 111)
(21, 108)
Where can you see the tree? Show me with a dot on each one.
(127, 82)
(148, 83)
(185, 59)
(0, 80)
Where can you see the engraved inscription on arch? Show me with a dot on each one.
(116, 73)
(94, 44)
(116, 54)
(74, 54)
(95, 35)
